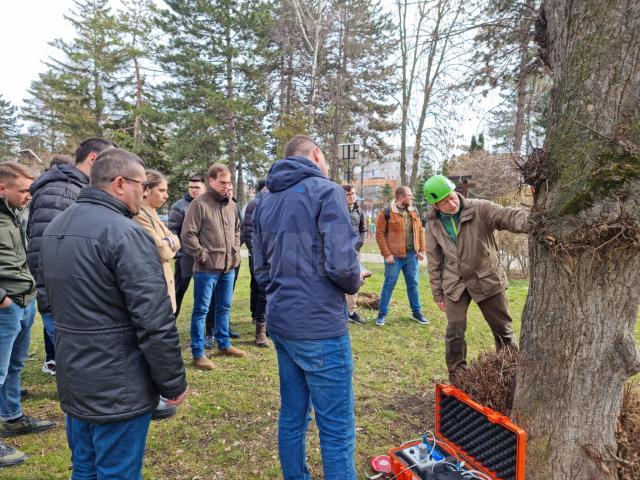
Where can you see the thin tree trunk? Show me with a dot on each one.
(522, 97)
(137, 123)
(577, 345)
(231, 117)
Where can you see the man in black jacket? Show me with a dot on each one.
(258, 297)
(118, 346)
(55, 191)
(184, 262)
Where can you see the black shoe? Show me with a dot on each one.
(355, 318)
(23, 392)
(163, 410)
(10, 456)
(24, 425)
(233, 334)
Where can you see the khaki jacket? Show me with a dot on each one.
(391, 237)
(211, 233)
(472, 263)
(149, 220)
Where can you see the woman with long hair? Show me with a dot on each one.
(168, 244)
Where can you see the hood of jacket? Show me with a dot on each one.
(289, 171)
(60, 173)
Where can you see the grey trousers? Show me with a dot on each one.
(496, 313)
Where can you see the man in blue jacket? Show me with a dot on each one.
(305, 259)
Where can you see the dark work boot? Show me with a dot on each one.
(261, 335)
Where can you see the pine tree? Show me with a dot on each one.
(353, 90)
(213, 53)
(83, 76)
(419, 199)
(9, 129)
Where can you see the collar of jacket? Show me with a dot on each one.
(217, 197)
(467, 210)
(5, 208)
(187, 197)
(394, 207)
(100, 197)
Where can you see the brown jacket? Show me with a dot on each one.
(391, 237)
(211, 233)
(472, 263)
(149, 220)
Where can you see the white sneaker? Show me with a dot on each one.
(49, 367)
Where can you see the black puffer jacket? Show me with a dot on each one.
(176, 217)
(117, 345)
(246, 233)
(55, 191)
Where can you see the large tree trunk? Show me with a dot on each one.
(577, 346)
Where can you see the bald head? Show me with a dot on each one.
(305, 146)
(300, 146)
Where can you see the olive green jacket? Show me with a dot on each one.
(15, 279)
(471, 263)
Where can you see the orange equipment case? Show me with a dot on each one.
(484, 439)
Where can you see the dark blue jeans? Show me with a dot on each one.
(15, 336)
(205, 284)
(409, 267)
(49, 334)
(112, 451)
(318, 373)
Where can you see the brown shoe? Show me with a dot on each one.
(230, 352)
(203, 363)
(261, 335)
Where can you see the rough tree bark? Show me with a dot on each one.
(577, 345)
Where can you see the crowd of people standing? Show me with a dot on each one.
(95, 258)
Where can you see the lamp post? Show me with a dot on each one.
(348, 152)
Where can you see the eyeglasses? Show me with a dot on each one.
(143, 184)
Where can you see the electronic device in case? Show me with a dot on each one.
(470, 441)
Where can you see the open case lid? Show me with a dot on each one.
(481, 436)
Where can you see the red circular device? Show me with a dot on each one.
(381, 463)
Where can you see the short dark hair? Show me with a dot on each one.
(196, 178)
(111, 163)
(300, 145)
(261, 184)
(61, 160)
(92, 145)
(216, 169)
(348, 188)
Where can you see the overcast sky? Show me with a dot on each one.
(27, 26)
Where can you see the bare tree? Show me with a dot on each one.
(577, 343)
(430, 50)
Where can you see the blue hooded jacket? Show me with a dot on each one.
(304, 252)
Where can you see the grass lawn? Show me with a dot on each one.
(228, 427)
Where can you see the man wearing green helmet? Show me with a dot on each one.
(464, 265)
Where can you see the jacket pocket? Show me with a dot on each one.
(490, 281)
(215, 259)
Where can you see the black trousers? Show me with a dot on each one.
(182, 278)
(258, 298)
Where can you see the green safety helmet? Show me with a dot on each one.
(437, 188)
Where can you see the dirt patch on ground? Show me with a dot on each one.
(368, 300)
